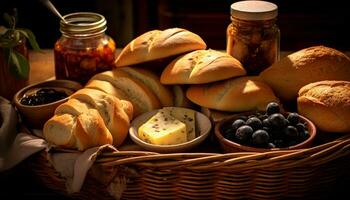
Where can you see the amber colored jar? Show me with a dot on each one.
(83, 49)
(253, 36)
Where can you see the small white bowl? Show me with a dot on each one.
(203, 127)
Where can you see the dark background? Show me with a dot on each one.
(302, 24)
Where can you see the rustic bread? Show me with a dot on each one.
(111, 110)
(327, 104)
(151, 80)
(80, 132)
(180, 99)
(234, 95)
(308, 65)
(106, 87)
(141, 97)
(202, 66)
(157, 44)
(73, 106)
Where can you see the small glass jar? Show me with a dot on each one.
(253, 36)
(83, 49)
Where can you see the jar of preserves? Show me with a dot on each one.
(253, 37)
(83, 49)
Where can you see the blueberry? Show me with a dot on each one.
(277, 120)
(271, 145)
(260, 138)
(266, 122)
(254, 122)
(243, 117)
(244, 133)
(238, 123)
(300, 127)
(293, 118)
(291, 132)
(279, 143)
(263, 117)
(272, 108)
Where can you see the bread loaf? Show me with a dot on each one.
(89, 118)
(106, 87)
(151, 80)
(309, 65)
(327, 104)
(141, 97)
(112, 111)
(234, 95)
(159, 44)
(202, 66)
(180, 99)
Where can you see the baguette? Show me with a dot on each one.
(157, 44)
(202, 66)
(106, 87)
(308, 65)
(326, 104)
(235, 95)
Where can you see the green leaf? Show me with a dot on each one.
(31, 37)
(10, 20)
(19, 65)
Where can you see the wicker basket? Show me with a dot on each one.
(306, 173)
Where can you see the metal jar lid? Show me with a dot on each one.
(254, 10)
(83, 24)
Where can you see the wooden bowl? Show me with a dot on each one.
(35, 116)
(203, 127)
(231, 146)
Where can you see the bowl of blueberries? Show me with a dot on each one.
(36, 103)
(262, 131)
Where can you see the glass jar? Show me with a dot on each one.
(83, 49)
(253, 37)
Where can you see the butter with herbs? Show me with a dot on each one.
(186, 116)
(163, 129)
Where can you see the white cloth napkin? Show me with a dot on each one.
(72, 165)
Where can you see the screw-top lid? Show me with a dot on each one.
(83, 24)
(254, 10)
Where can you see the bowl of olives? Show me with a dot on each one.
(258, 131)
(36, 103)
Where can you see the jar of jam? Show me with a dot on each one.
(253, 37)
(83, 49)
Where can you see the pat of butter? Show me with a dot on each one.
(163, 129)
(186, 116)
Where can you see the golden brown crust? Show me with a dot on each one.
(157, 44)
(141, 97)
(202, 66)
(235, 95)
(308, 65)
(327, 104)
(151, 80)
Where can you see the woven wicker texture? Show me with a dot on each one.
(307, 174)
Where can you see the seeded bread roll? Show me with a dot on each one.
(306, 66)
(235, 95)
(202, 66)
(159, 44)
(327, 104)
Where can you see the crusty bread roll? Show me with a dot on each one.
(158, 44)
(151, 80)
(112, 111)
(327, 104)
(106, 87)
(309, 65)
(81, 132)
(89, 118)
(202, 66)
(235, 94)
(141, 97)
(180, 99)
